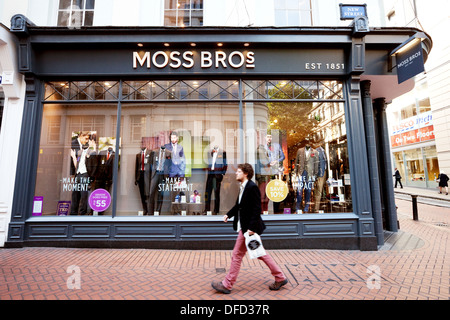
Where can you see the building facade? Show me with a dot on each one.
(130, 136)
(418, 120)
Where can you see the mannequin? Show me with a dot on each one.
(269, 164)
(83, 167)
(142, 176)
(321, 174)
(306, 168)
(217, 167)
(160, 168)
(104, 175)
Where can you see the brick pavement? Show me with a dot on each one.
(421, 273)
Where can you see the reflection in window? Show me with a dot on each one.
(183, 13)
(306, 151)
(292, 13)
(181, 140)
(76, 156)
(76, 13)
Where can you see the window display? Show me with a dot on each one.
(180, 143)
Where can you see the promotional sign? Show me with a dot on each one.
(276, 190)
(63, 208)
(100, 200)
(409, 62)
(37, 206)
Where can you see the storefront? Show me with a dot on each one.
(413, 140)
(132, 136)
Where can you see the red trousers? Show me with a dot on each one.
(239, 252)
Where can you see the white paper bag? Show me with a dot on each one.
(254, 245)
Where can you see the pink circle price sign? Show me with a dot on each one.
(100, 200)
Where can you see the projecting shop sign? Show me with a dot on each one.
(410, 62)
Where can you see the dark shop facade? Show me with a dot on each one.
(131, 136)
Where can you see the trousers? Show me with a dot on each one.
(239, 252)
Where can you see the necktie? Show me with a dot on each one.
(107, 156)
(160, 162)
(142, 161)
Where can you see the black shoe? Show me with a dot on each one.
(219, 287)
(277, 285)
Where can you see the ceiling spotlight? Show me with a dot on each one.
(220, 44)
(166, 44)
(140, 45)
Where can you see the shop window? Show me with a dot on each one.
(293, 13)
(183, 13)
(277, 131)
(432, 163)
(424, 105)
(76, 152)
(76, 13)
(408, 111)
(415, 167)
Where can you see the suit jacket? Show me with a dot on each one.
(265, 155)
(310, 163)
(155, 161)
(322, 162)
(178, 161)
(105, 165)
(248, 211)
(220, 166)
(139, 163)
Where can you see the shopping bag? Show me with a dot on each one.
(254, 245)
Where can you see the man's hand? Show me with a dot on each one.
(250, 233)
(225, 218)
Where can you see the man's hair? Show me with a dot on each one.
(246, 169)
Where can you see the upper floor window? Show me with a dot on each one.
(76, 13)
(183, 13)
(293, 13)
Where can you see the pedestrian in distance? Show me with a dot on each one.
(398, 178)
(443, 182)
(247, 217)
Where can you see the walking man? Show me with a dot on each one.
(398, 178)
(247, 217)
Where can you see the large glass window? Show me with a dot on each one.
(183, 13)
(415, 167)
(292, 13)
(76, 13)
(180, 142)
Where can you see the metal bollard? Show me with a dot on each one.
(414, 207)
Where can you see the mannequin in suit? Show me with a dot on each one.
(83, 166)
(306, 168)
(105, 169)
(178, 159)
(321, 174)
(160, 160)
(104, 174)
(217, 167)
(142, 176)
(269, 164)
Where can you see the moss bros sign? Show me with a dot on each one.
(189, 59)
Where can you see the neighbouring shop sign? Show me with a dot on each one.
(412, 130)
(410, 62)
